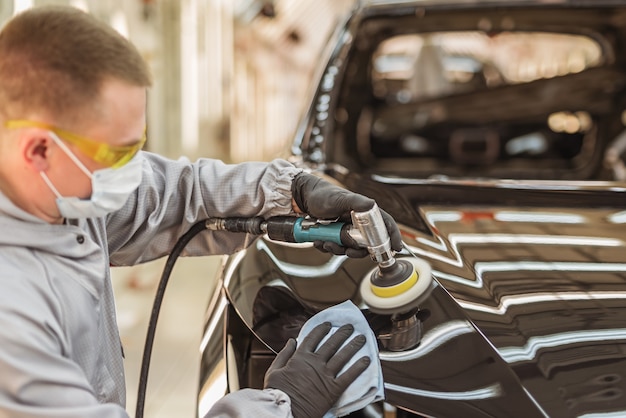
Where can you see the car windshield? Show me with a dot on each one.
(419, 66)
(498, 104)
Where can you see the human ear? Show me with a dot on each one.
(35, 149)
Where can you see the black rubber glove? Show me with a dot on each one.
(323, 200)
(309, 376)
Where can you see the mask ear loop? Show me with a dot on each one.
(45, 178)
(70, 154)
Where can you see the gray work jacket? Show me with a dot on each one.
(60, 351)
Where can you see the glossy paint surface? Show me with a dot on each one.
(529, 309)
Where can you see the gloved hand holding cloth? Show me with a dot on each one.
(310, 375)
(321, 199)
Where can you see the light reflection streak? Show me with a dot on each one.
(534, 401)
(431, 340)
(440, 245)
(435, 217)
(499, 266)
(539, 217)
(551, 185)
(215, 320)
(457, 239)
(505, 184)
(512, 184)
(228, 274)
(491, 391)
(614, 414)
(214, 389)
(508, 301)
(533, 239)
(618, 217)
(534, 344)
(301, 270)
(443, 216)
(478, 283)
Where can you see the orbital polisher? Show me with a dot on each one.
(395, 286)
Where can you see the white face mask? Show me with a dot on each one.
(110, 187)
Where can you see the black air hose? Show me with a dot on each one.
(156, 307)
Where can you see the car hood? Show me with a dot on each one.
(527, 314)
(539, 269)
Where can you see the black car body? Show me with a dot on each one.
(510, 185)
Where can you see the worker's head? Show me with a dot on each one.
(72, 101)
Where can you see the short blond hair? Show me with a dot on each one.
(54, 60)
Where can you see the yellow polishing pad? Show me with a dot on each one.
(399, 297)
(389, 291)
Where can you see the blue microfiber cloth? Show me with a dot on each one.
(368, 387)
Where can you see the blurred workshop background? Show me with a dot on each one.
(231, 78)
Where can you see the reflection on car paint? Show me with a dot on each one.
(531, 349)
(507, 302)
(432, 339)
(490, 391)
(333, 264)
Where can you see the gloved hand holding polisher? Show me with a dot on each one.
(323, 200)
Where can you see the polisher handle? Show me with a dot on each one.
(374, 235)
(291, 229)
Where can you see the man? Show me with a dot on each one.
(77, 194)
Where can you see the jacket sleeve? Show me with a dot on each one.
(174, 195)
(252, 403)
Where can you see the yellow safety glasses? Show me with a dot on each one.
(108, 155)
